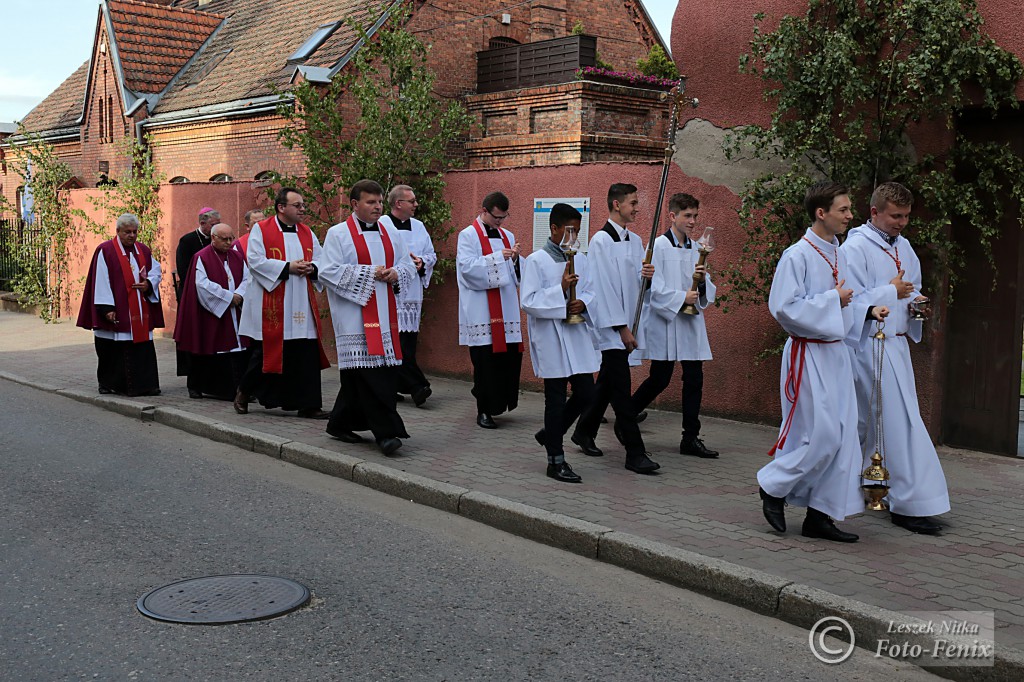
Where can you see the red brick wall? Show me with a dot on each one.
(103, 142)
(241, 148)
(455, 35)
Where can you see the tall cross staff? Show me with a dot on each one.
(678, 100)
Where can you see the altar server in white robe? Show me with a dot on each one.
(402, 202)
(884, 270)
(817, 457)
(616, 264)
(281, 314)
(365, 264)
(561, 353)
(487, 270)
(673, 336)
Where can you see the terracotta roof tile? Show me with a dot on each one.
(63, 106)
(247, 58)
(258, 38)
(155, 42)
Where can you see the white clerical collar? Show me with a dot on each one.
(814, 237)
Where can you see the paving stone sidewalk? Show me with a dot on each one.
(705, 506)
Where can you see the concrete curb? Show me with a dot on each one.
(50, 388)
(558, 530)
(412, 487)
(746, 587)
(125, 406)
(319, 459)
(752, 589)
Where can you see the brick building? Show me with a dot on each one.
(202, 78)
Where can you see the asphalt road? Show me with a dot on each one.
(97, 509)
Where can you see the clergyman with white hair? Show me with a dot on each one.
(121, 305)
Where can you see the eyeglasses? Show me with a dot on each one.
(408, 201)
(498, 217)
(301, 206)
(229, 238)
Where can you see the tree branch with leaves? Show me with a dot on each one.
(403, 133)
(851, 82)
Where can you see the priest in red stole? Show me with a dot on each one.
(280, 313)
(208, 318)
(121, 305)
(365, 264)
(487, 269)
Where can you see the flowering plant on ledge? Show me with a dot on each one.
(638, 80)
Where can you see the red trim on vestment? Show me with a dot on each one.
(273, 301)
(138, 314)
(371, 316)
(498, 344)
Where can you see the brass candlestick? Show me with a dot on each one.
(570, 246)
(705, 245)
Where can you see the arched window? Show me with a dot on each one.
(264, 175)
(221, 177)
(502, 41)
(179, 180)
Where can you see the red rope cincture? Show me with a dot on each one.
(895, 259)
(834, 267)
(794, 377)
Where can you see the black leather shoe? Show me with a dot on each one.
(540, 436)
(642, 464)
(587, 445)
(563, 472)
(389, 445)
(314, 413)
(399, 398)
(819, 525)
(420, 396)
(345, 436)
(774, 509)
(485, 421)
(241, 403)
(917, 524)
(642, 415)
(106, 391)
(696, 447)
(194, 394)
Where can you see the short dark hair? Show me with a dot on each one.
(281, 198)
(821, 195)
(365, 187)
(563, 213)
(681, 201)
(618, 192)
(495, 200)
(891, 193)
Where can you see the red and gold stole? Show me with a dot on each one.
(138, 310)
(273, 301)
(371, 316)
(498, 344)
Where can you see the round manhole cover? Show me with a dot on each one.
(221, 599)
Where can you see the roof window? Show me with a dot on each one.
(319, 37)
